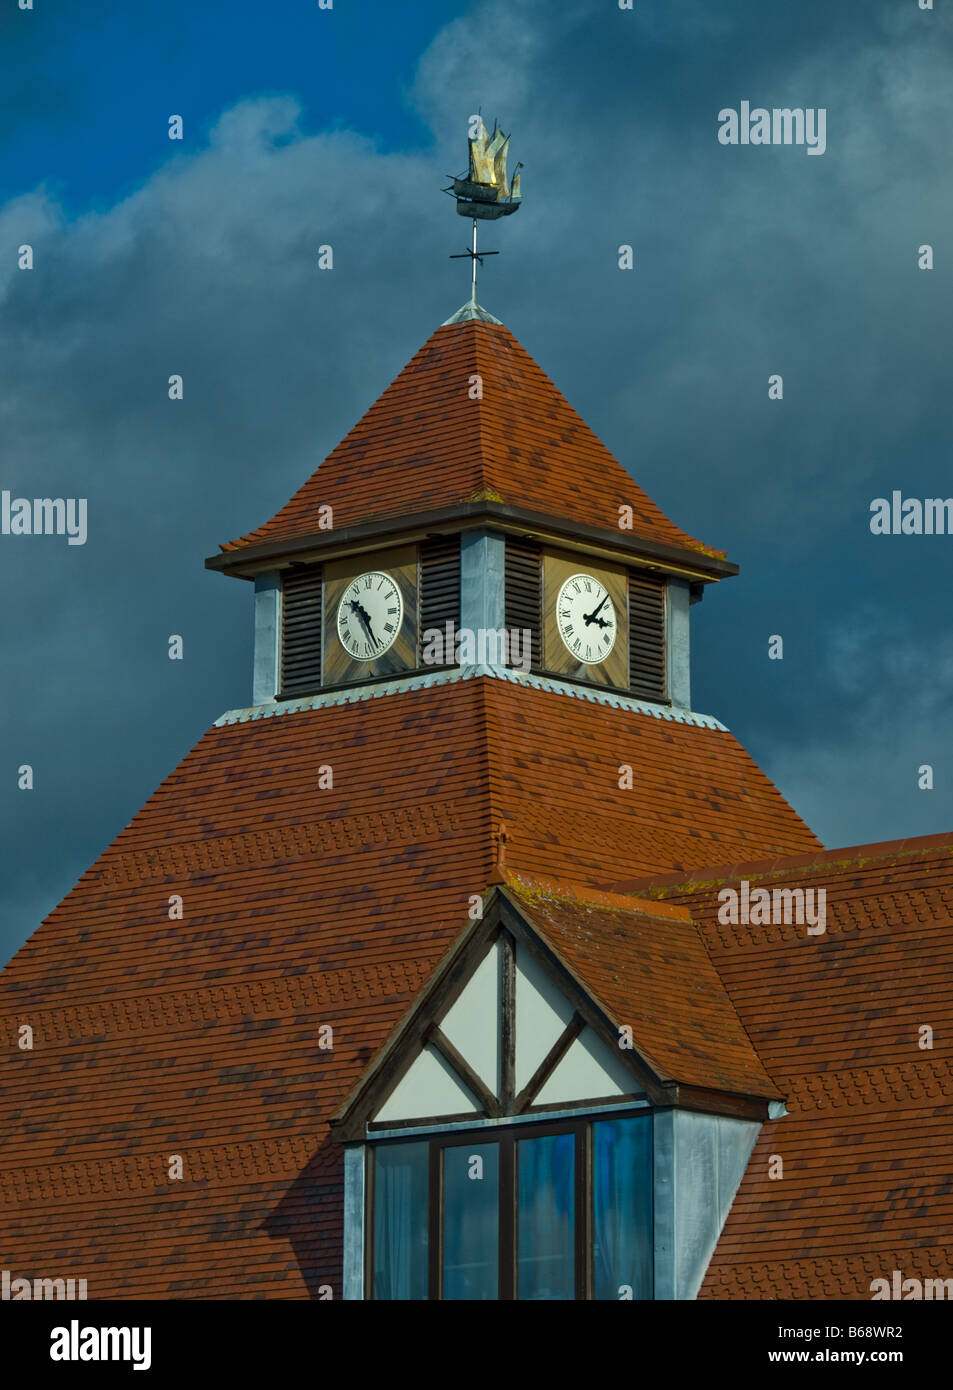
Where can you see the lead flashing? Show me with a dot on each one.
(354, 695)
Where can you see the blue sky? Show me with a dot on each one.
(86, 97)
(304, 126)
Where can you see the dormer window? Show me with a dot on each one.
(518, 1139)
(546, 1211)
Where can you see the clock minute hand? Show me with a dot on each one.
(594, 616)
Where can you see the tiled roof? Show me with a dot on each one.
(302, 907)
(425, 444)
(867, 1147)
(694, 792)
(645, 964)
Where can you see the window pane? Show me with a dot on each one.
(400, 1220)
(545, 1267)
(622, 1208)
(471, 1216)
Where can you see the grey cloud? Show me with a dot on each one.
(744, 265)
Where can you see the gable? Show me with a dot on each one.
(468, 1042)
(515, 1021)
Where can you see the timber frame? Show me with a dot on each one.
(503, 920)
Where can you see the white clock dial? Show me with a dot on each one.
(369, 615)
(586, 619)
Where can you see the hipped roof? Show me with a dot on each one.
(472, 418)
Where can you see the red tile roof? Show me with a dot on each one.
(647, 967)
(867, 1147)
(696, 795)
(425, 444)
(302, 907)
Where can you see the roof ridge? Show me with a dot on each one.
(573, 891)
(779, 865)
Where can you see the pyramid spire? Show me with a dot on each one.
(473, 421)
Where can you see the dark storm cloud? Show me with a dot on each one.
(747, 262)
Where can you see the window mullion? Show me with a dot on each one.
(507, 1217)
(583, 1214)
(435, 1227)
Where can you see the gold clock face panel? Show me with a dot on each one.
(370, 614)
(364, 637)
(586, 618)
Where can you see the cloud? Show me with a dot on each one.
(892, 704)
(747, 262)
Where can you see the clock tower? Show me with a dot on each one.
(430, 973)
(458, 529)
(365, 1002)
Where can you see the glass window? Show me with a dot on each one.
(622, 1237)
(400, 1220)
(471, 1222)
(545, 1217)
(478, 1219)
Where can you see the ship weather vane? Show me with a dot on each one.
(484, 193)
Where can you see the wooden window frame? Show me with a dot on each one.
(507, 1138)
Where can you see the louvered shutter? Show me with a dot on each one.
(647, 648)
(524, 590)
(302, 594)
(439, 586)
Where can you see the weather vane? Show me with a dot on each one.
(484, 193)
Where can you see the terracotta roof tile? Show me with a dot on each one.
(426, 444)
(649, 970)
(303, 907)
(867, 1147)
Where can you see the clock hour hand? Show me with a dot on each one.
(365, 620)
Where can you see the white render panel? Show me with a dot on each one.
(542, 1015)
(430, 1087)
(589, 1071)
(473, 1022)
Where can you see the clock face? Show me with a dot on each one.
(585, 619)
(369, 615)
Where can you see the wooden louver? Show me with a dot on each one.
(647, 650)
(302, 593)
(524, 590)
(439, 586)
